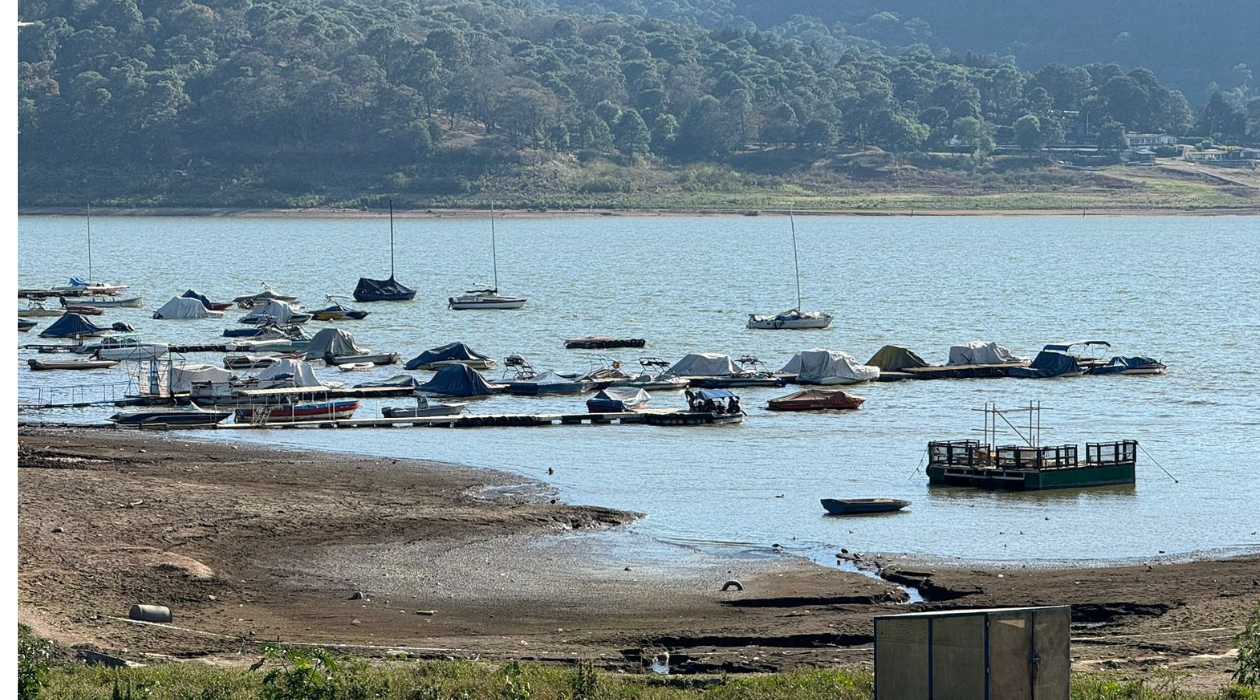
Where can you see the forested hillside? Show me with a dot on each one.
(213, 101)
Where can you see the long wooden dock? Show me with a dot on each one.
(506, 420)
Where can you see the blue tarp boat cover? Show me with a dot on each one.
(190, 294)
(71, 325)
(1048, 364)
(457, 380)
(446, 353)
(1120, 364)
(78, 282)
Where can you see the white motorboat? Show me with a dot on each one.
(192, 415)
(489, 298)
(132, 303)
(794, 319)
(356, 366)
(425, 407)
(653, 377)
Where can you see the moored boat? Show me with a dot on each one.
(268, 293)
(450, 354)
(25, 325)
(36, 309)
(336, 311)
(488, 298)
(424, 408)
(861, 506)
(603, 342)
(248, 361)
(1029, 466)
(84, 310)
(384, 290)
(618, 400)
(294, 413)
(46, 365)
(132, 303)
(380, 358)
(653, 377)
(188, 416)
(816, 400)
(793, 319)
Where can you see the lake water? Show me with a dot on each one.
(1181, 289)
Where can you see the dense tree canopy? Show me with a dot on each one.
(172, 85)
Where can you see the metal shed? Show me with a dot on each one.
(987, 654)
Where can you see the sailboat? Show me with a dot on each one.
(79, 287)
(384, 290)
(793, 319)
(487, 298)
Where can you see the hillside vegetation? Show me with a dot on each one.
(325, 102)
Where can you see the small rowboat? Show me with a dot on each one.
(83, 310)
(356, 366)
(132, 303)
(381, 358)
(45, 365)
(858, 506)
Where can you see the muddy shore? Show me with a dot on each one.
(248, 544)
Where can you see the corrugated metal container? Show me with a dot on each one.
(990, 654)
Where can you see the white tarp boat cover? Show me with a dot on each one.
(182, 307)
(332, 341)
(301, 372)
(821, 366)
(703, 364)
(277, 310)
(550, 377)
(182, 378)
(629, 396)
(892, 358)
(978, 352)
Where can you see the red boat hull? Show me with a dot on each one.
(816, 401)
(334, 410)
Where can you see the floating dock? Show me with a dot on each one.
(516, 420)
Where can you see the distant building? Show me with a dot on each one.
(1209, 155)
(1136, 141)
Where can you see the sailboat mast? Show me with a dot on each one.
(494, 253)
(797, 258)
(89, 241)
(391, 239)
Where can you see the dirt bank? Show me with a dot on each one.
(248, 544)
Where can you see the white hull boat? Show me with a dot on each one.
(424, 408)
(794, 319)
(790, 320)
(487, 298)
(143, 351)
(132, 303)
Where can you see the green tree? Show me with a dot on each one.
(1247, 671)
(1111, 137)
(1028, 134)
(818, 135)
(975, 134)
(631, 134)
(664, 133)
(898, 132)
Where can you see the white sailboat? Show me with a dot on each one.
(792, 319)
(487, 298)
(78, 287)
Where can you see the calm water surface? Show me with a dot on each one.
(1181, 289)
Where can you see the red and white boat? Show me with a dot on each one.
(816, 400)
(294, 413)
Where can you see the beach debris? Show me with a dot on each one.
(550, 470)
(732, 584)
(150, 613)
(627, 568)
(430, 612)
(355, 621)
(58, 529)
(357, 595)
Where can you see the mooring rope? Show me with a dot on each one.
(1161, 467)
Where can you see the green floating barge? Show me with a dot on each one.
(1028, 467)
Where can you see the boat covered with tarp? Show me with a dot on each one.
(182, 378)
(978, 352)
(382, 290)
(298, 372)
(816, 400)
(333, 342)
(704, 364)
(829, 367)
(205, 301)
(273, 311)
(894, 358)
(72, 325)
(1130, 365)
(617, 399)
(549, 382)
(400, 381)
(1047, 364)
(450, 354)
(184, 308)
(457, 380)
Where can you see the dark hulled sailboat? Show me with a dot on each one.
(384, 290)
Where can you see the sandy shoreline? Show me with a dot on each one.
(321, 213)
(249, 543)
